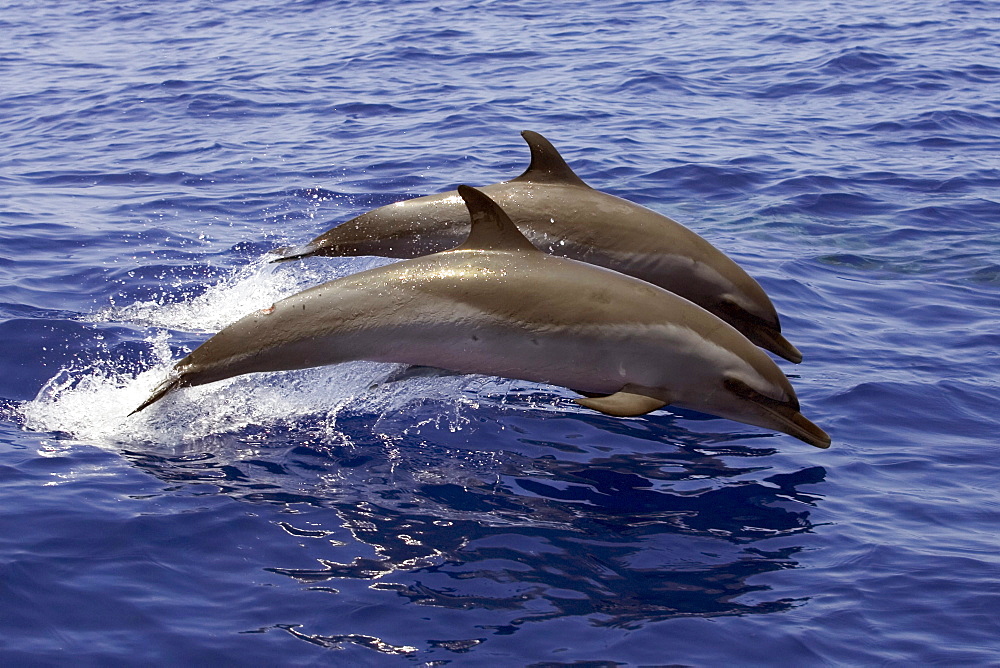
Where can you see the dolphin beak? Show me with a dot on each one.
(783, 416)
(809, 432)
(765, 333)
(771, 339)
(796, 424)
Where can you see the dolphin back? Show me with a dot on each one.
(562, 215)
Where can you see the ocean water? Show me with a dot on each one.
(847, 155)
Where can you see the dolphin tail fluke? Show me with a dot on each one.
(163, 389)
(292, 253)
(629, 402)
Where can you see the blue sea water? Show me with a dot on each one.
(847, 155)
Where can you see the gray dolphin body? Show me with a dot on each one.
(496, 305)
(564, 216)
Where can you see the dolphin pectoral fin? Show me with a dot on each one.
(630, 401)
(547, 166)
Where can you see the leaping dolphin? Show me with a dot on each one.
(564, 216)
(497, 305)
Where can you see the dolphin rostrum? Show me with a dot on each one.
(564, 216)
(496, 305)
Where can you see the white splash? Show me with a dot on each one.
(249, 288)
(93, 401)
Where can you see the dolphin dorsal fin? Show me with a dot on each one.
(547, 166)
(492, 229)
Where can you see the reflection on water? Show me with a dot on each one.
(619, 522)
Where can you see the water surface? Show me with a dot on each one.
(845, 154)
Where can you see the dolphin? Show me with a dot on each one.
(564, 216)
(497, 305)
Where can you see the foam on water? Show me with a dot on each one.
(93, 401)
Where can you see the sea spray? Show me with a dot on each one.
(248, 288)
(92, 400)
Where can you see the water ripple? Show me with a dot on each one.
(844, 154)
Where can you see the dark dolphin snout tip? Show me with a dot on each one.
(786, 350)
(804, 430)
(762, 331)
(772, 340)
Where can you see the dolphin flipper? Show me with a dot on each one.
(630, 401)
